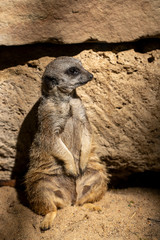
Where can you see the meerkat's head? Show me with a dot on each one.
(64, 74)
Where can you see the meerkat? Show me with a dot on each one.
(64, 168)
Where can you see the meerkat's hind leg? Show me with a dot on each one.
(48, 220)
(92, 185)
(91, 191)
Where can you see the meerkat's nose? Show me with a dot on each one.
(90, 76)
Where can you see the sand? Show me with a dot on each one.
(131, 213)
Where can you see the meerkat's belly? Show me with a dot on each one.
(72, 137)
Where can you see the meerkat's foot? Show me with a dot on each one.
(47, 221)
(92, 207)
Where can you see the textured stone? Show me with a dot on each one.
(76, 21)
(122, 103)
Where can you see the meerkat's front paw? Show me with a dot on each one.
(71, 170)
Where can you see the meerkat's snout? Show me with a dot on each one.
(89, 76)
(86, 78)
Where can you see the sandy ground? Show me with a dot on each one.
(132, 213)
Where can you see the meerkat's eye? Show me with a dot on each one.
(74, 71)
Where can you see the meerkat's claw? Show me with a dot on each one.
(44, 226)
(83, 168)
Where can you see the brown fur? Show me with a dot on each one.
(64, 169)
(9, 183)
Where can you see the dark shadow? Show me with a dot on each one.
(11, 56)
(24, 141)
(147, 45)
(18, 55)
(147, 179)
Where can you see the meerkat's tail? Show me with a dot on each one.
(48, 220)
(9, 183)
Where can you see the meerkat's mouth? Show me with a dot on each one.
(82, 83)
(86, 81)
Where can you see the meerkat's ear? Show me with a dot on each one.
(50, 80)
(48, 83)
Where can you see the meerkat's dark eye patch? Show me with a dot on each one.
(74, 71)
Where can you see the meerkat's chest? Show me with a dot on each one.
(77, 110)
(72, 134)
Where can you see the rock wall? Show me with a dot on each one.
(122, 103)
(76, 21)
